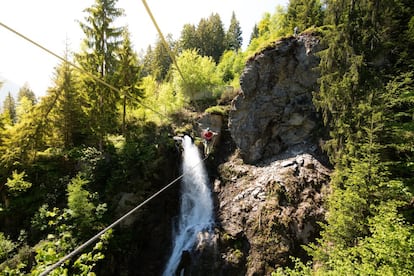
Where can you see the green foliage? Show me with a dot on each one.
(304, 14)
(23, 109)
(410, 32)
(9, 109)
(200, 76)
(26, 92)
(128, 76)
(270, 28)
(6, 246)
(231, 66)
(162, 99)
(63, 106)
(51, 250)
(79, 202)
(161, 59)
(234, 37)
(16, 184)
(365, 97)
(188, 38)
(220, 110)
(399, 126)
(102, 39)
(61, 238)
(386, 251)
(368, 109)
(211, 37)
(299, 269)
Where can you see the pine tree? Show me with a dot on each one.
(147, 62)
(25, 91)
(101, 43)
(234, 34)
(161, 58)
(255, 33)
(188, 39)
(211, 37)
(9, 109)
(66, 120)
(128, 76)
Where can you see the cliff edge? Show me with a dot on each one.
(270, 192)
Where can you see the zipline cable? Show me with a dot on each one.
(77, 67)
(91, 240)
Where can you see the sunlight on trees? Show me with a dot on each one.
(83, 142)
(200, 76)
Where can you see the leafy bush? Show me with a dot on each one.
(6, 246)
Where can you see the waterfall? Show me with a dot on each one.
(195, 219)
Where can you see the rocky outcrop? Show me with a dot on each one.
(267, 212)
(270, 192)
(274, 110)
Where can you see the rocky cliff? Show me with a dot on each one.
(270, 191)
(274, 110)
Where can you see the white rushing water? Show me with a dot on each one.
(196, 210)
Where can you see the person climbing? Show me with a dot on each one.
(208, 136)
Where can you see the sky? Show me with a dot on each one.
(53, 23)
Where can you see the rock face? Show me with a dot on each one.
(270, 192)
(267, 212)
(274, 109)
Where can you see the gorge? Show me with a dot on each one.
(268, 174)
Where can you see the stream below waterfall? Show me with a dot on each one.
(195, 221)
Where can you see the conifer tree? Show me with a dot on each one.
(128, 76)
(211, 37)
(161, 58)
(9, 109)
(234, 34)
(147, 62)
(66, 118)
(255, 33)
(102, 40)
(26, 91)
(188, 39)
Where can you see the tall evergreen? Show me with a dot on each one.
(188, 38)
(66, 118)
(211, 37)
(147, 62)
(234, 34)
(26, 91)
(161, 58)
(98, 57)
(9, 109)
(255, 33)
(128, 76)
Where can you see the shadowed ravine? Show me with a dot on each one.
(195, 219)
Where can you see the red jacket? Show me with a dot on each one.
(208, 135)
